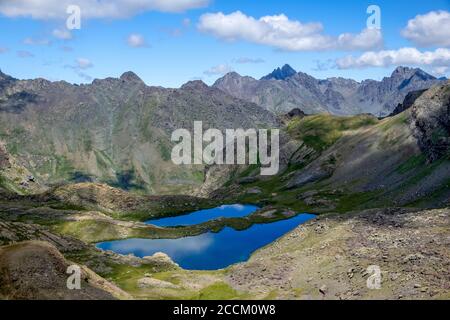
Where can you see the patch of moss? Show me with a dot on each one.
(218, 291)
(10, 186)
(360, 200)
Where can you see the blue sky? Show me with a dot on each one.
(175, 47)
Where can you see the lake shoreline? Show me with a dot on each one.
(213, 249)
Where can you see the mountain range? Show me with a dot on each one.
(285, 89)
(115, 130)
(83, 164)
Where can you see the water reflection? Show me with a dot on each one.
(209, 251)
(197, 217)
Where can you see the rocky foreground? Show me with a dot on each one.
(37, 270)
(328, 258)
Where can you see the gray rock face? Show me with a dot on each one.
(282, 91)
(278, 96)
(296, 113)
(408, 102)
(280, 73)
(431, 122)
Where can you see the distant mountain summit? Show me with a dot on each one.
(131, 77)
(280, 73)
(285, 89)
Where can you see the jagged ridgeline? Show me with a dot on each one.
(114, 130)
(285, 89)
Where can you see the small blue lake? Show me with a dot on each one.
(197, 217)
(209, 251)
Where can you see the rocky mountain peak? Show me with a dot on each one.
(195, 85)
(130, 76)
(401, 71)
(280, 73)
(406, 72)
(231, 76)
(423, 75)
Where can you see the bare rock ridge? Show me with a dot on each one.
(195, 85)
(37, 270)
(131, 77)
(431, 122)
(408, 102)
(285, 89)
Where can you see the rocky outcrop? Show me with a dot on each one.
(431, 122)
(13, 232)
(295, 113)
(309, 176)
(36, 270)
(407, 103)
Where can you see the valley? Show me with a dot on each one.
(82, 165)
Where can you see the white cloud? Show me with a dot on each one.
(83, 63)
(136, 41)
(431, 29)
(3, 50)
(280, 32)
(218, 70)
(62, 34)
(56, 9)
(368, 38)
(245, 60)
(404, 56)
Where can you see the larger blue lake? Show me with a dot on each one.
(209, 251)
(197, 217)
